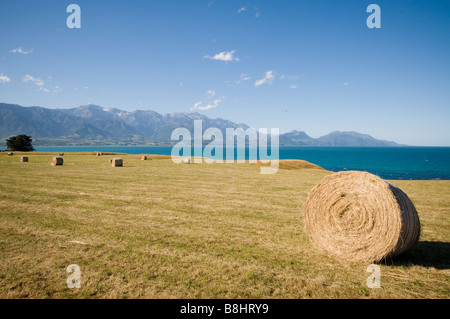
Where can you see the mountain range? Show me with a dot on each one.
(96, 125)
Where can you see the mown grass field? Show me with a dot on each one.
(154, 229)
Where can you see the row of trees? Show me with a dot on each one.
(20, 143)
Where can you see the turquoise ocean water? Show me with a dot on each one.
(425, 163)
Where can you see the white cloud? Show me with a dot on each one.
(36, 81)
(345, 84)
(85, 87)
(196, 105)
(243, 77)
(254, 9)
(210, 94)
(292, 86)
(21, 51)
(4, 78)
(268, 78)
(223, 56)
(213, 105)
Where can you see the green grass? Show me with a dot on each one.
(154, 229)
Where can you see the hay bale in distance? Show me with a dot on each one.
(357, 216)
(61, 154)
(99, 154)
(57, 161)
(10, 154)
(24, 159)
(187, 160)
(117, 162)
(110, 161)
(144, 158)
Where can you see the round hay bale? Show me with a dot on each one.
(99, 154)
(24, 159)
(144, 158)
(10, 154)
(57, 161)
(61, 154)
(187, 160)
(357, 216)
(117, 162)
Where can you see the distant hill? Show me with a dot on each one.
(336, 139)
(352, 139)
(93, 124)
(299, 138)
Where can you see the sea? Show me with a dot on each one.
(395, 163)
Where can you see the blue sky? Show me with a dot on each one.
(310, 65)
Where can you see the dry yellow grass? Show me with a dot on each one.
(293, 164)
(358, 216)
(154, 229)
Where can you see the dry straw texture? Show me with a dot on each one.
(144, 158)
(357, 216)
(23, 159)
(57, 161)
(117, 162)
(292, 164)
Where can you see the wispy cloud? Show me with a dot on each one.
(20, 50)
(210, 94)
(4, 78)
(268, 78)
(40, 83)
(249, 11)
(35, 81)
(197, 106)
(345, 84)
(293, 86)
(209, 106)
(226, 56)
(244, 77)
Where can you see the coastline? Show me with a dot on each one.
(395, 163)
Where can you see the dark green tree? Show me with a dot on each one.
(20, 143)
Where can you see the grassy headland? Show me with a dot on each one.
(154, 229)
